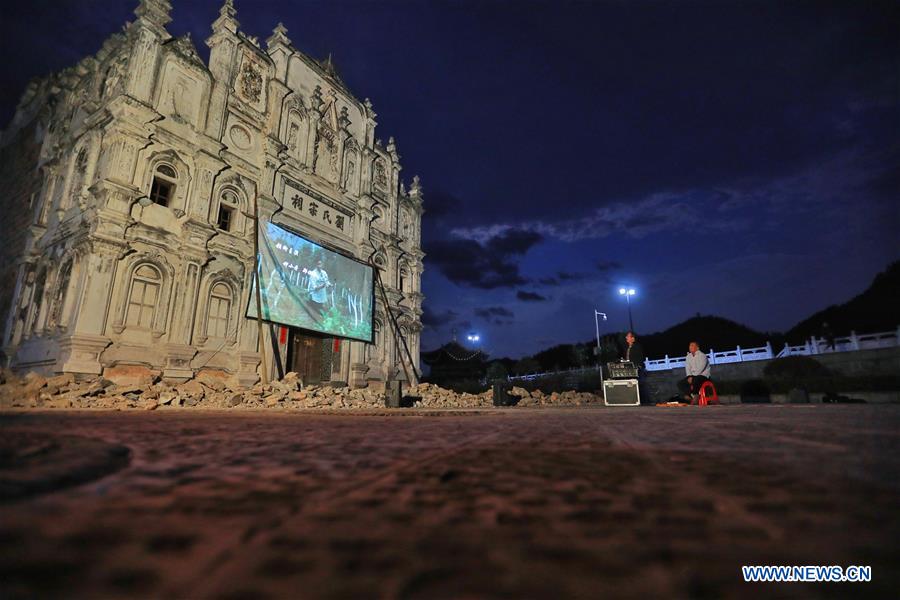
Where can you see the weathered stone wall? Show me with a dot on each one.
(21, 184)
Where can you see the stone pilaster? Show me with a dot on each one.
(80, 350)
(223, 44)
(179, 351)
(149, 31)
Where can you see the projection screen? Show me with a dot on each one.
(307, 286)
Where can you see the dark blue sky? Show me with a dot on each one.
(737, 159)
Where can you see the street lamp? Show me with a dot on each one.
(597, 313)
(628, 293)
(473, 337)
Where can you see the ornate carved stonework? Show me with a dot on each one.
(327, 155)
(240, 137)
(250, 82)
(380, 175)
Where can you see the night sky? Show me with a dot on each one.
(736, 159)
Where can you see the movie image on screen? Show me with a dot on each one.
(305, 285)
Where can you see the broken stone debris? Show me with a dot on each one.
(215, 392)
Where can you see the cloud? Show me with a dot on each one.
(493, 311)
(441, 204)
(638, 219)
(486, 265)
(748, 204)
(433, 319)
(530, 296)
(561, 277)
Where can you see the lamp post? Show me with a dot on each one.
(628, 293)
(597, 313)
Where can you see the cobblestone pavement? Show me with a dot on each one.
(518, 503)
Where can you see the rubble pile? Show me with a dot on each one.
(203, 391)
(433, 396)
(210, 391)
(568, 398)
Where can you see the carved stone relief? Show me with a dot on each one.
(240, 137)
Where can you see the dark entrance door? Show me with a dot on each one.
(307, 358)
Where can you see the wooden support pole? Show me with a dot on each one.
(256, 262)
(396, 329)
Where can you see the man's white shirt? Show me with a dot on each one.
(697, 364)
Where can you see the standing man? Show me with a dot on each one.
(696, 367)
(634, 352)
(318, 287)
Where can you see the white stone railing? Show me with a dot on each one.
(814, 345)
(533, 376)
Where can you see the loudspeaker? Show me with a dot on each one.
(502, 396)
(621, 392)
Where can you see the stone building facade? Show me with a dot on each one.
(129, 227)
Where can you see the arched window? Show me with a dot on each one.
(143, 298)
(404, 279)
(374, 350)
(162, 190)
(227, 209)
(219, 311)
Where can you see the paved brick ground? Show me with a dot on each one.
(633, 502)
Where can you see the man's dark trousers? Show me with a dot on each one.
(685, 388)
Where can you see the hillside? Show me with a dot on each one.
(710, 332)
(876, 309)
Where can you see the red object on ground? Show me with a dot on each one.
(708, 393)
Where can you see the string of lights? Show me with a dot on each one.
(470, 357)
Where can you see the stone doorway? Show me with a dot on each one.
(310, 357)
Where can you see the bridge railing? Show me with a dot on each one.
(533, 376)
(812, 346)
